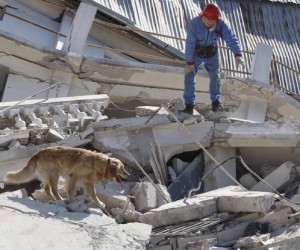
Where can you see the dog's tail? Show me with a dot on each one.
(23, 175)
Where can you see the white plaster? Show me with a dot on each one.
(261, 63)
(250, 110)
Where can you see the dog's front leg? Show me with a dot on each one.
(91, 192)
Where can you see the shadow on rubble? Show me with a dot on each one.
(30, 187)
(185, 170)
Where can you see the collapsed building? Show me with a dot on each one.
(212, 180)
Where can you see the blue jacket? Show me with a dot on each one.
(198, 34)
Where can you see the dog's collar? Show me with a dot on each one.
(106, 167)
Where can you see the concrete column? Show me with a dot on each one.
(65, 26)
(217, 178)
(80, 28)
(261, 63)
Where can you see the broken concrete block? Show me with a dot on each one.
(163, 196)
(131, 123)
(72, 122)
(180, 211)
(201, 244)
(233, 233)
(265, 169)
(248, 217)
(113, 199)
(5, 139)
(89, 131)
(251, 241)
(78, 204)
(187, 180)
(149, 110)
(179, 165)
(53, 136)
(256, 134)
(248, 180)
(84, 122)
(145, 196)
(238, 199)
(125, 215)
(279, 218)
(14, 145)
(278, 178)
(260, 202)
(181, 242)
(296, 198)
(165, 247)
(40, 195)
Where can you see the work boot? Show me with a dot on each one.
(189, 109)
(217, 106)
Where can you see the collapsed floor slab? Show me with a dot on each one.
(130, 134)
(206, 204)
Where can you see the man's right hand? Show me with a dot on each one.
(189, 68)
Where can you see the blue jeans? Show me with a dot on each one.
(212, 66)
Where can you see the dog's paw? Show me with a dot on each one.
(101, 204)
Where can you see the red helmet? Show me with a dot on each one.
(211, 12)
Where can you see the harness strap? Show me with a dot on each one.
(106, 167)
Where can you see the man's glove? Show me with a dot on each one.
(189, 68)
(239, 61)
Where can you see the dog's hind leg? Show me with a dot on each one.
(46, 184)
(47, 189)
(53, 185)
(91, 192)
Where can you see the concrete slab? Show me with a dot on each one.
(180, 211)
(279, 177)
(203, 205)
(249, 202)
(237, 199)
(130, 133)
(257, 135)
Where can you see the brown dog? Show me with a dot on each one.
(73, 164)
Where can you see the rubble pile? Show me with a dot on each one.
(186, 182)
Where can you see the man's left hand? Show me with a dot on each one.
(239, 61)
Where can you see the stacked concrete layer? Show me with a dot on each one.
(257, 135)
(228, 199)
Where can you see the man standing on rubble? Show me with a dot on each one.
(202, 47)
